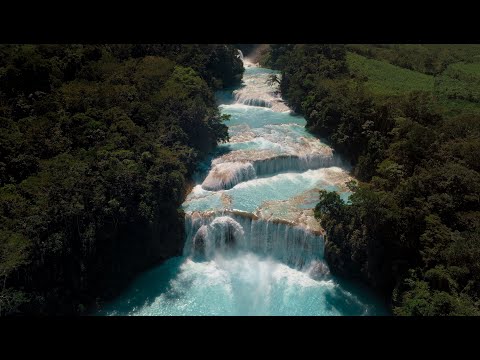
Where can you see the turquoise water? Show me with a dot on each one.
(257, 117)
(252, 246)
(250, 195)
(244, 285)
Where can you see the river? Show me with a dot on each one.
(252, 244)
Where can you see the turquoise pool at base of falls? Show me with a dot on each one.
(244, 284)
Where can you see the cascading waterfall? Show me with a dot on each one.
(252, 245)
(246, 99)
(293, 245)
(227, 175)
(257, 92)
(289, 163)
(223, 234)
(242, 165)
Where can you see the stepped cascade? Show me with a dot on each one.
(252, 245)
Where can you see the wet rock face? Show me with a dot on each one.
(224, 232)
(199, 242)
(319, 271)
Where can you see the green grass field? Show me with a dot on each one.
(472, 69)
(425, 58)
(457, 88)
(388, 79)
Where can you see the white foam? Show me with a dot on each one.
(212, 235)
(228, 174)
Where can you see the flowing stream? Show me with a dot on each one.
(252, 244)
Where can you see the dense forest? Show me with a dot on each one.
(97, 145)
(408, 119)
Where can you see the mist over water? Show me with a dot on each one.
(252, 244)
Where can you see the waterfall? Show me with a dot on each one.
(225, 175)
(248, 99)
(259, 91)
(220, 235)
(286, 163)
(294, 245)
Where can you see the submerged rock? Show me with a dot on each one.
(319, 271)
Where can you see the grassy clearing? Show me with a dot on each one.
(385, 79)
(457, 88)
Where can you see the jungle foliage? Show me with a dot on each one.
(97, 144)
